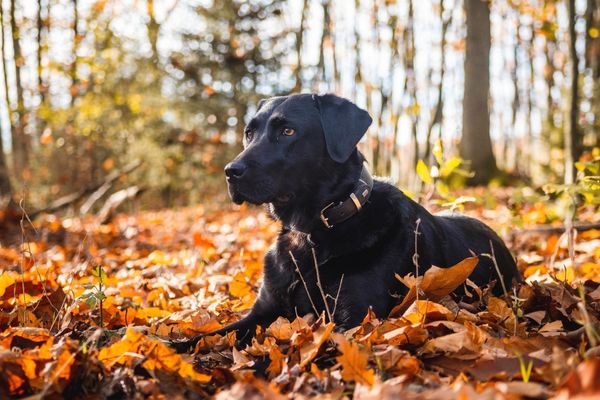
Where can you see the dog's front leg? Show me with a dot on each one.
(261, 314)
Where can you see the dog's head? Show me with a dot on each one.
(291, 143)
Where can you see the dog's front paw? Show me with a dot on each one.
(184, 346)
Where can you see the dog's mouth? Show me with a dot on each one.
(240, 194)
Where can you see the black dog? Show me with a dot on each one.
(300, 157)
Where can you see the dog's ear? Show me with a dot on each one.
(261, 103)
(343, 124)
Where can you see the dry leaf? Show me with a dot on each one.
(354, 363)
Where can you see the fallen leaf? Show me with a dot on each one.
(436, 283)
(354, 363)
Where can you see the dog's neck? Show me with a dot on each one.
(334, 185)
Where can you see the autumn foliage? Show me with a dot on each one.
(86, 310)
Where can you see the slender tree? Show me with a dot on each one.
(411, 81)
(326, 41)
(572, 134)
(153, 30)
(438, 111)
(5, 187)
(20, 148)
(299, 41)
(476, 144)
(592, 65)
(76, 39)
(40, 52)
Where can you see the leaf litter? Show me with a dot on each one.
(174, 274)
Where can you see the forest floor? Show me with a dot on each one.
(179, 273)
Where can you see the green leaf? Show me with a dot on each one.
(99, 273)
(91, 302)
(423, 172)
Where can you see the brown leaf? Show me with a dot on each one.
(583, 381)
(240, 360)
(397, 362)
(465, 345)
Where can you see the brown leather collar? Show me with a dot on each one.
(334, 214)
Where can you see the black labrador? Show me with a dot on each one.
(300, 158)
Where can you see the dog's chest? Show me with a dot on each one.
(301, 281)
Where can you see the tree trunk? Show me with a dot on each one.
(476, 144)
(73, 66)
(409, 41)
(592, 65)
(5, 187)
(357, 51)
(153, 28)
(438, 112)
(20, 146)
(325, 41)
(40, 50)
(299, 40)
(572, 135)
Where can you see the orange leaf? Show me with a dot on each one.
(6, 280)
(277, 362)
(425, 310)
(239, 287)
(436, 283)
(354, 363)
(202, 241)
(281, 329)
(310, 348)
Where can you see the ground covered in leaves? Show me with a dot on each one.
(85, 310)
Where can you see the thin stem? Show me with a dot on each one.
(337, 295)
(320, 286)
(305, 285)
(415, 257)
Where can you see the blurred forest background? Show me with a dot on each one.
(101, 96)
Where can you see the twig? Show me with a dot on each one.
(337, 295)
(508, 298)
(556, 249)
(71, 198)
(22, 262)
(554, 229)
(493, 258)
(571, 232)
(304, 283)
(415, 257)
(115, 200)
(320, 286)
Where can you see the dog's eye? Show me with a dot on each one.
(249, 134)
(289, 131)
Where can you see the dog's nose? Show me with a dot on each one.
(235, 169)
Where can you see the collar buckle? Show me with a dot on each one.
(324, 219)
